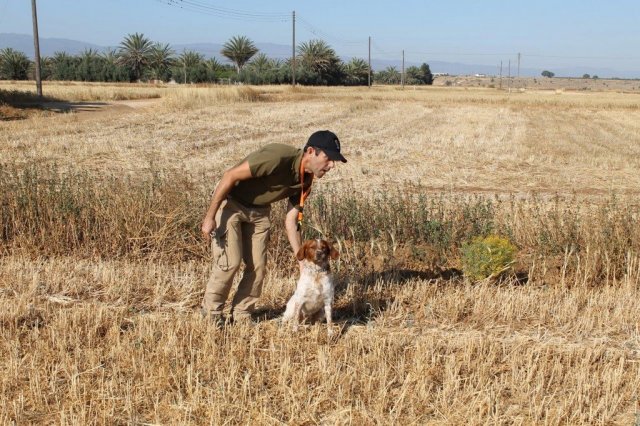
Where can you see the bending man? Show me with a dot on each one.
(238, 216)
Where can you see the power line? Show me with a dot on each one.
(206, 8)
(460, 53)
(230, 11)
(193, 6)
(322, 34)
(380, 50)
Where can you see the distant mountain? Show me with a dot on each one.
(209, 50)
(212, 50)
(48, 46)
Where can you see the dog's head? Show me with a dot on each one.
(317, 251)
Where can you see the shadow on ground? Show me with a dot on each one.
(363, 309)
(16, 105)
(58, 106)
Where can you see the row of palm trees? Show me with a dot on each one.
(14, 65)
(137, 58)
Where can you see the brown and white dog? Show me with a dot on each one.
(314, 292)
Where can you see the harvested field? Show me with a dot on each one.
(102, 267)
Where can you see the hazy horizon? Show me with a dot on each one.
(547, 34)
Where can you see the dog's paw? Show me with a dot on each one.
(330, 332)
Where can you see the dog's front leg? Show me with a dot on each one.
(297, 312)
(328, 315)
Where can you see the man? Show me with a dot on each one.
(238, 216)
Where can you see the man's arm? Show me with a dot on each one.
(291, 225)
(228, 181)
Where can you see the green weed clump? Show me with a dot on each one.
(487, 257)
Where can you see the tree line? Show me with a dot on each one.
(137, 58)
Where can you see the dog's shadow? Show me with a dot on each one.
(362, 308)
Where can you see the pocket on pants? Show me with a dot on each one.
(219, 249)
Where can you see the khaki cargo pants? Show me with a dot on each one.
(242, 235)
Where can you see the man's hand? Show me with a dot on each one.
(229, 179)
(293, 234)
(208, 226)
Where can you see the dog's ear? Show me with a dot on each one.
(302, 251)
(334, 253)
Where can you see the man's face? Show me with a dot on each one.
(319, 163)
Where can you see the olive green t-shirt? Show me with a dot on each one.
(275, 171)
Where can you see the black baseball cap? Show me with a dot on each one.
(328, 142)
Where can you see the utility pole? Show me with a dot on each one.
(519, 83)
(402, 75)
(369, 61)
(509, 78)
(36, 45)
(500, 74)
(293, 52)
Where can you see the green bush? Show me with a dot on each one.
(487, 257)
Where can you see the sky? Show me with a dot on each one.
(546, 33)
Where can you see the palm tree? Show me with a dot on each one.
(112, 70)
(357, 72)
(212, 69)
(14, 65)
(110, 56)
(46, 64)
(212, 64)
(318, 58)
(389, 75)
(239, 50)
(264, 70)
(160, 59)
(63, 66)
(188, 60)
(317, 55)
(134, 52)
(89, 65)
(261, 63)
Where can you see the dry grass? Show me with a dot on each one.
(102, 271)
(541, 83)
(443, 139)
(86, 342)
(76, 91)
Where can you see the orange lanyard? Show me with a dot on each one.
(303, 194)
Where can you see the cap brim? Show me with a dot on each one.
(335, 156)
